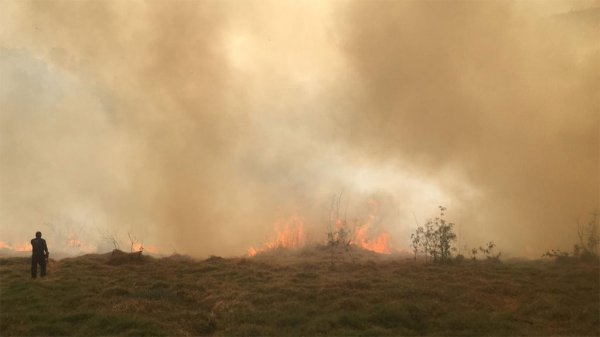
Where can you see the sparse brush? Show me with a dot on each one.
(459, 258)
(434, 239)
(338, 239)
(589, 239)
(558, 255)
(586, 249)
(489, 253)
(416, 239)
(474, 252)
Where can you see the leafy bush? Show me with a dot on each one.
(434, 239)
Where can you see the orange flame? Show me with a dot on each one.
(381, 242)
(151, 249)
(139, 247)
(74, 242)
(23, 247)
(290, 234)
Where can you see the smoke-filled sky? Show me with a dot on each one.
(197, 125)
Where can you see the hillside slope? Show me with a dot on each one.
(287, 294)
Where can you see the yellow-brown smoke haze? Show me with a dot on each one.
(194, 125)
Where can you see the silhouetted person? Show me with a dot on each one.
(39, 254)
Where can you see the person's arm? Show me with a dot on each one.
(46, 249)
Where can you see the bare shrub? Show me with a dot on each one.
(488, 251)
(589, 239)
(586, 249)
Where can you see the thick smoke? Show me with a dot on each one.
(510, 100)
(196, 125)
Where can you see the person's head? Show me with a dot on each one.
(38, 234)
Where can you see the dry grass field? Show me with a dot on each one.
(298, 294)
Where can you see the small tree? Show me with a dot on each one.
(435, 238)
(446, 236)
(589, 238)
(416, 239)
(428, 242)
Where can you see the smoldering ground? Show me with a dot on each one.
(198, 124)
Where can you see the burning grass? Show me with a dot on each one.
(297, 293)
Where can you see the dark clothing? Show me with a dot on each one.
(39, 252)
(35, 260)
(39, 247)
